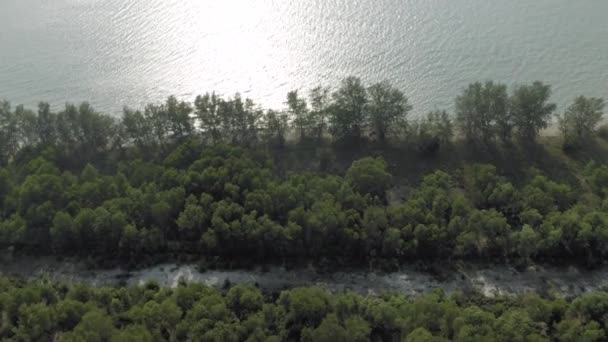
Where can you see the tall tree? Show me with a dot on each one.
(46, 124)
(580, 119)
(158, 123)
(319, 110)
(240, 120)
(178, 115)
(82, 131)
(26, 130)
(138, 129)
(298, 111)
(275, 128)
(95, 130)
(207, 111)
(252, 123)
(433, 132)
(388, 108)
(8, 137)
(479, 110)
(170, 121)
(530, 109)
(67, 128)
(348, 116)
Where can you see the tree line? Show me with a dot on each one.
(45, 311)
(229, 203)
(172, 180)
(485, 114)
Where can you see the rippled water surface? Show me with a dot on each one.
(129, 52)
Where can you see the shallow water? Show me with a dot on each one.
(490, 280)
(130, 52)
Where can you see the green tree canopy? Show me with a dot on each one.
(530, 109)
(482, 112)
(369, 176)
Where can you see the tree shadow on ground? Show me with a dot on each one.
(517, 161)
(591, 151)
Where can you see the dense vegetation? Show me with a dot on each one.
(485, 114)
(228, 202)
(201, 181)
(43, 311)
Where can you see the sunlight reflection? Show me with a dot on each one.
(238, 37)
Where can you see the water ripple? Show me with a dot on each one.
(128, 52)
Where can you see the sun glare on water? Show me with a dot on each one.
(235, 37)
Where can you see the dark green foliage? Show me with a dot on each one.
(486, 112)
(348, 113)
(432, 133)
(530, 111)
(42, 311)
(302, 121)
(319, 111)
(200, 181)
(83, 132)
(8, 130)
(276, 127)
(602, 131)
(229, 203)
(580, 120)
(208, 112)
(369, 176)
(388, 108)
(482, 112)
